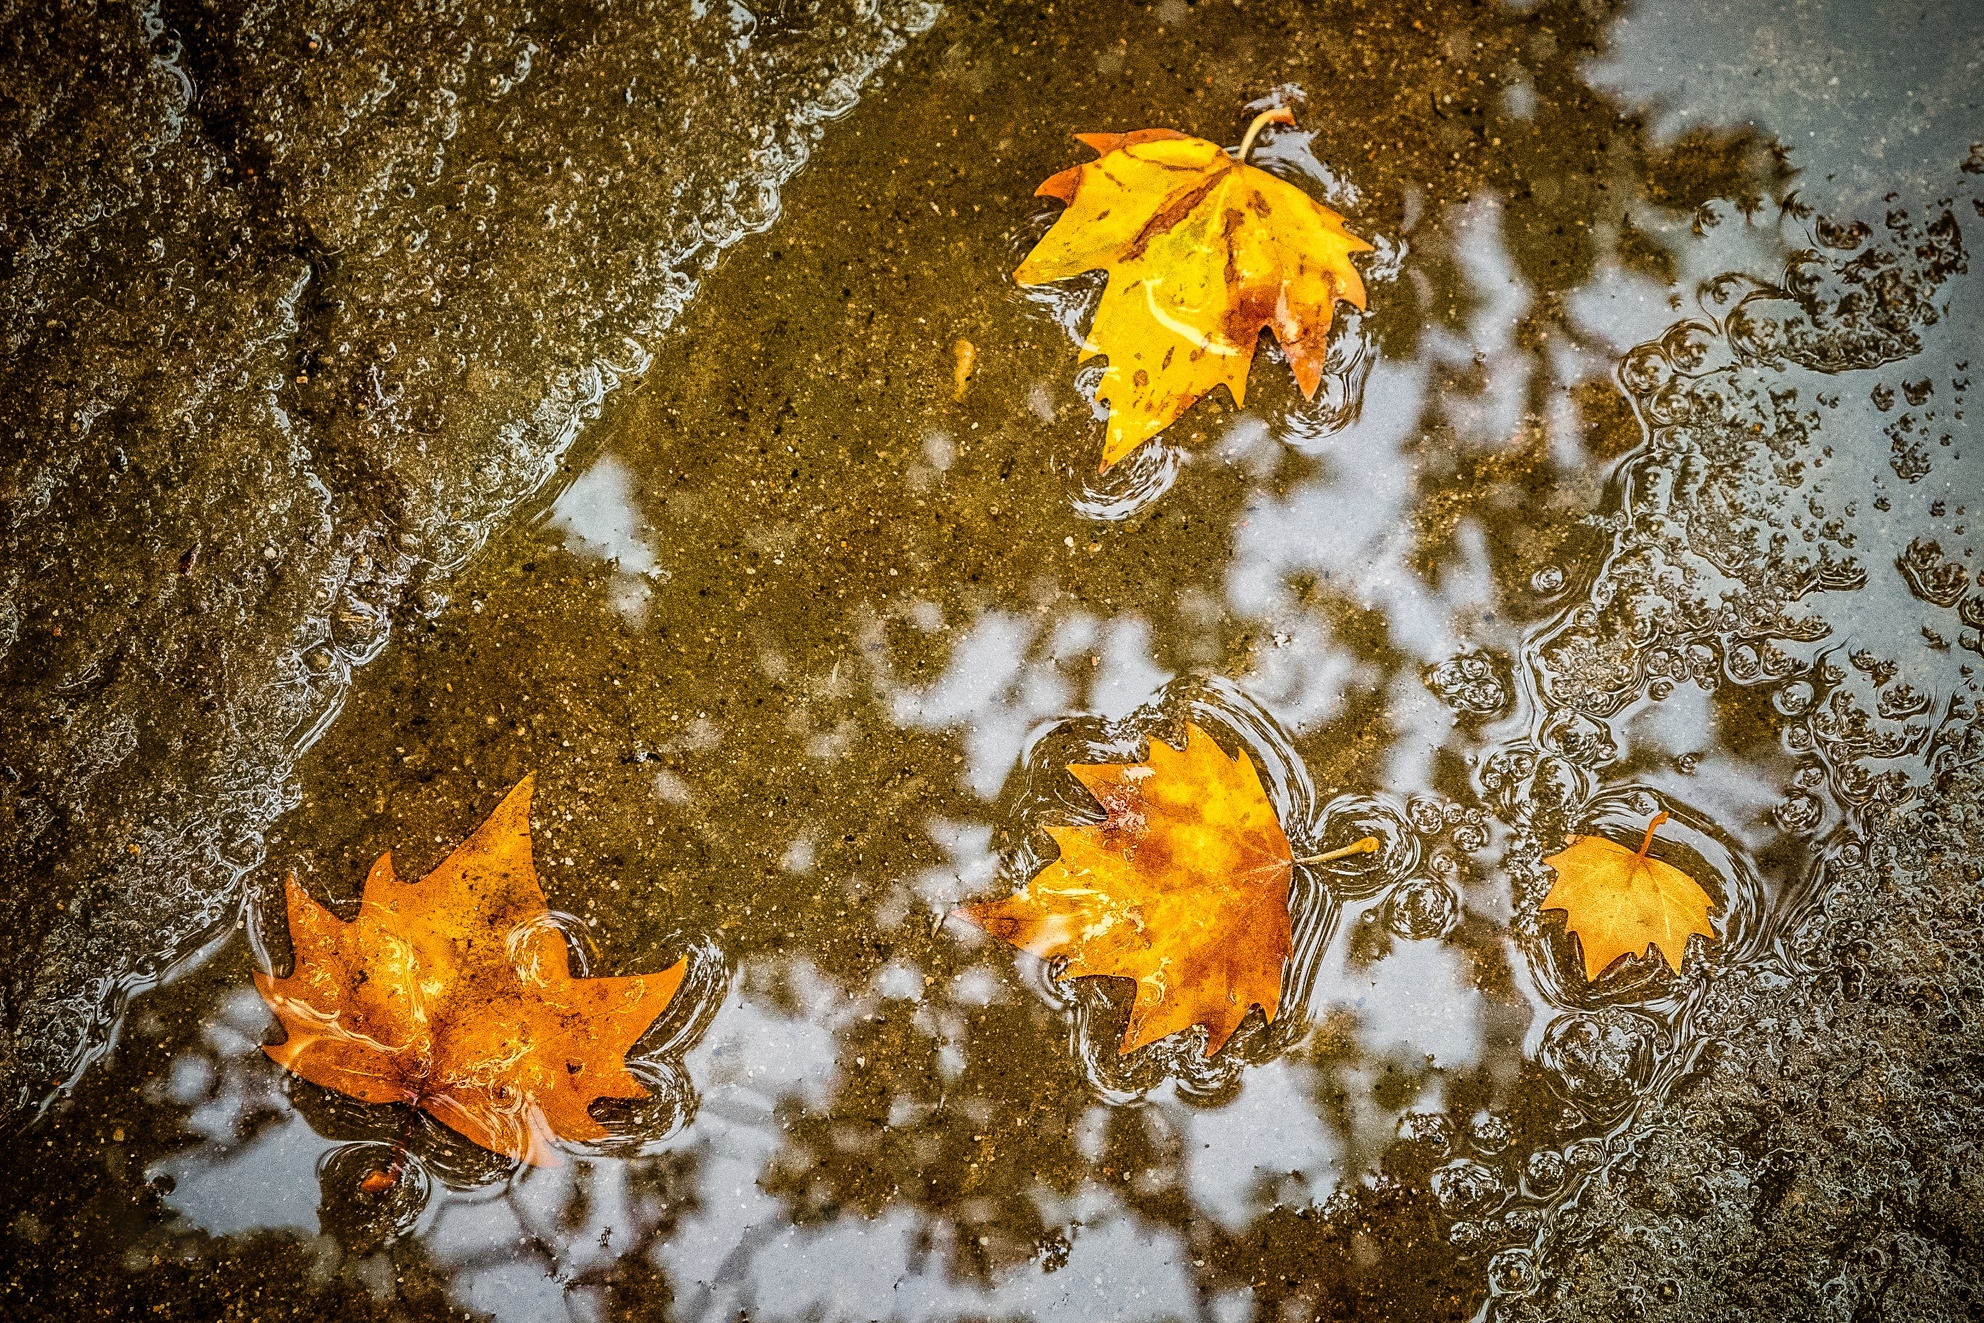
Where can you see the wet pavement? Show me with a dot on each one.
(1644, 485)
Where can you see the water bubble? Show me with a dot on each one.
(1505, 770)
(1489, 1134)
(1465, 1188)
(1713, 404)
(1544, 1172)
(1558, 785)
(1422, 908)
(1644, 370)
(1799, 814)
(1671, 405)
(1521, 1223)
(1794, 699)
(319, 659)
(1755, 335)
(358, 629)
(1806, 274)
(1668, 442)
(1844, 237)
(1547, 580)
(1471, 683)
(1426, 816)
(1688, 345)
(1429, 1130)
(1513, 1272)
(1464, 1236)
(1930, 575)
(1599, 1058)
(1584, 741)
(1727, 288)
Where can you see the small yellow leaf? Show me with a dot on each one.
(1618, 902)
(1202, 251)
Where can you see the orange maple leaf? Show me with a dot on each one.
(1618, 902)
(455, 994)
(1203, 251)
(1182, 887)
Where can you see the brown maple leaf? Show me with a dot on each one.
(1203, 251)
(1182, 887)
(1618, 902)
(455, 994)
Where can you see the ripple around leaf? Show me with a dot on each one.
(641, 1125)
(1422, 908)
(1350, 818)
(1041, 792)
(1130, 487)
(365, 1219)
(1695, 845)
(453, 1159)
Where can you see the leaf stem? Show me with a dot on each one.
(1651, 827)
(1279, 115)
(1368, 845)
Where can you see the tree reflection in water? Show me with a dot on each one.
(850, 628)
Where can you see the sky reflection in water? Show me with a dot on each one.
(1463, 1006)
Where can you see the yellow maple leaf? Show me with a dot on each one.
(1203, 251)
(1182, 887)
(455, 995)
(1618, 902)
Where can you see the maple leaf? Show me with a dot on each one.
(1183, 887)
(1203, 251)
(455, 994)
(1618, 902)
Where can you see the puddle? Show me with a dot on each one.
(1643, 487)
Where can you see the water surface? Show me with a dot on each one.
(1643, 486)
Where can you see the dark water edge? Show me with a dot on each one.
(1704, 584)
